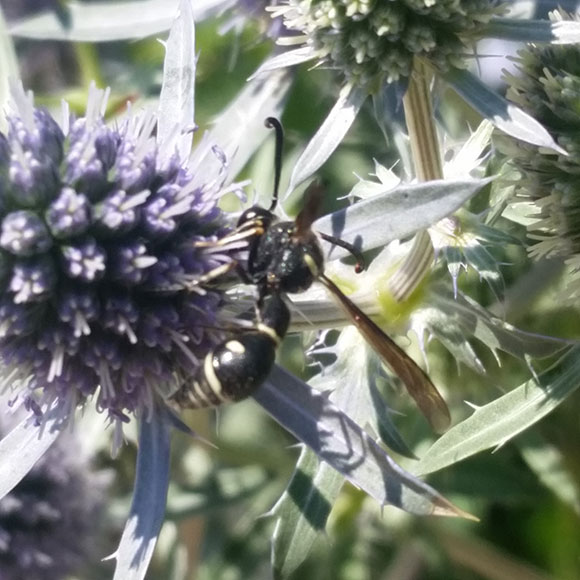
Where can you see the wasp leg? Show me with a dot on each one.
(238, 235)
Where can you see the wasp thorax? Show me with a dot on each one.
(285, 261)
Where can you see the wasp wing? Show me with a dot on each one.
(416, 381)
(311, 210)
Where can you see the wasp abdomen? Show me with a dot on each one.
(231, 372)
(234, 369)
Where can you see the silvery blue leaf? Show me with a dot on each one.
(22, 448)
(328, 136)
(499, 421)
(239, 130)
(109, 21)
(503, 114)
(176, 102)
(149, 498)
(284, 60)
(339, 441)
(397, 213)
(302, 511)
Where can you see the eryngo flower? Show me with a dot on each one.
(545, 182)
(98, 235)
(50, 520)
(374, 42)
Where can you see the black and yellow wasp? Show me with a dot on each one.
(285, 257)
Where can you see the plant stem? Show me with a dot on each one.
(427, 161)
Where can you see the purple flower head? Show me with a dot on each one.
(49, 522)
(99, 253)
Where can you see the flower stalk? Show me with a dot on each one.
(428, 166)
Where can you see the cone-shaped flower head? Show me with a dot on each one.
(99, 267)
(374, 41)
(547, 183)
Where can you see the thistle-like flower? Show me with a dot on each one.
(107, 249)
(99, 261)
(545, 182)
(373, 42)
(49, 522)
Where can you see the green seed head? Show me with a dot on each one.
(548, 88)
(374, 41)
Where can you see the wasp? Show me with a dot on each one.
(285, 257)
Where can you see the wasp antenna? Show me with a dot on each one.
(273, 123)
(360, 265)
